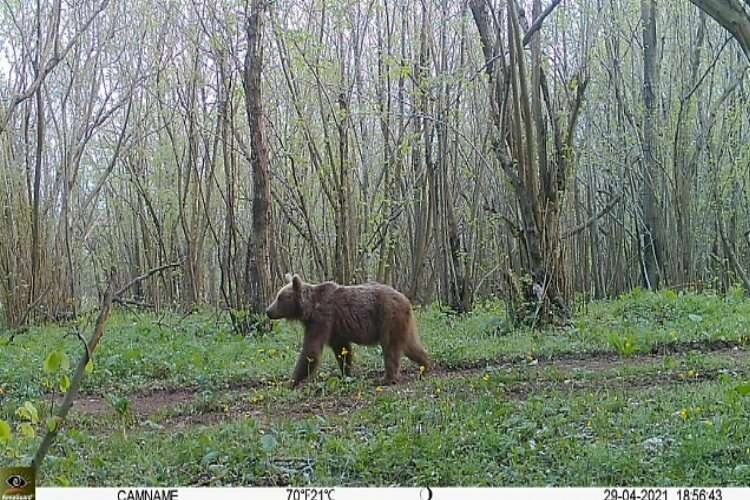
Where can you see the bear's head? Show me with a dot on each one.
(288, 303)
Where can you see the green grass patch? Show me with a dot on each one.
(466, 431)
(542, 412)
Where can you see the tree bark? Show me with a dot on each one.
(257, 264)
(651, 244)
(733, 16)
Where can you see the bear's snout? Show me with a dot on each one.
(271, 311)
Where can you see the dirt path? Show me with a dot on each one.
(147, 404)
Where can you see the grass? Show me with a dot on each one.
(573, 406)
(440, 435)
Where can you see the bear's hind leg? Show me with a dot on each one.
(392, 355)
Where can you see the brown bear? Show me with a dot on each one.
(338, 316)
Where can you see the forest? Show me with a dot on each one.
(559, 187)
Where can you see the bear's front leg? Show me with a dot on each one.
(309, 358)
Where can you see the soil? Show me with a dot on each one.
(147, 404)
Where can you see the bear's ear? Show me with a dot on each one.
(297, 283)
(288, 277)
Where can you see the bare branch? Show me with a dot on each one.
(537, 24)
(580, 227)
(141, 277)
(51, 64)
(733, 16)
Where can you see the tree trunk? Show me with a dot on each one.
(651, 243)
(733, 16)
(257, 264)
(36, 195)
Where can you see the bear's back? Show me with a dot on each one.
(373, 293)
(361, 313)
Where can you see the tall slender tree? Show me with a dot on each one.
(257, 265)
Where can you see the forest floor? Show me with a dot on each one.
(645, 389)
(181, 403)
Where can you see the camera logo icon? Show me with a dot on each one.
(16, 481)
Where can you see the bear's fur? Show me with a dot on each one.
(338, 316)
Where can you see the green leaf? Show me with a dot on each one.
(209, 457)
(695, 318)
(268, 442)
(64, 383)
(53, 423)
(743, 389)
(573, 84)
(26, 430)
(120, 404)
(32, 411)
(28, 412)
(52, 362)
(89, 367)
(56, 361)
(5, 434)
(332, 383)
